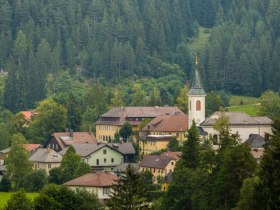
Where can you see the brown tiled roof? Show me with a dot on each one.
(168, 123)
(237, 118)
(121, 113)
(155, 161)
(99, 179)
(64, 139)
(175, 155)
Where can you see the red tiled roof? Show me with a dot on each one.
(99, 179)
(31, 147)
(168, 123)
(28, 114)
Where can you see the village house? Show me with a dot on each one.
(99, 183)
(156, 135)
(175, 125)
(158, 165)
(112, 121)
(102, 156)
(59, 141)
(28, 115)
(46, 159)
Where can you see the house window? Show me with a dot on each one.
(104, 152)
(215, 139)
(106, 190)
(112, 160)
(154, 170)
(97, 162)
(49, 165)
(172, 163)
(198, 105)
(105, 160)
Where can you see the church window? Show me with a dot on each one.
(198, 105)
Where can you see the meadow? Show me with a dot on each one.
(5, 196)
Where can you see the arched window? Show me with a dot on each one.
(198, 105)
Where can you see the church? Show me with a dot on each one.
(239, 122)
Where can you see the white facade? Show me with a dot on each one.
(243, 130)
(196, 109)
(102, 193)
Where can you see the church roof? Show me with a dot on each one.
(196, 88)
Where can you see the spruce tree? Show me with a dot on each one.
(268, 190)
(129, 192)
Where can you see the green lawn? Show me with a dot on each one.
(236, 100)
(251, 109)
(5, 196)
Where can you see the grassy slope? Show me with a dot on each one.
(250, 105)
(198, 43)
(5, 196)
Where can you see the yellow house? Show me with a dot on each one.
(154, 143)
(158, 165)
(112, 121)
(46, 159)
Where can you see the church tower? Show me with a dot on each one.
(196, 99)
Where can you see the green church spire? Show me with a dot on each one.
(196, 88)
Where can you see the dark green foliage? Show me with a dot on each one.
(5, 184)
(17, 162)
(173, 145)
(129, 192)
(126, 131)
(190, 156)
(19, 201)
(35, 181)
(213, 103)
(267, 190)
(72, 166)
(61, 198)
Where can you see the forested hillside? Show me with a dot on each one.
(112, 41)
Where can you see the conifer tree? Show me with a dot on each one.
(129, 192)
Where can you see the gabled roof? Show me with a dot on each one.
(99, 179)
(65, 139)
(122, 114)
(168, 123)
(45, 155)
(87, 149)
(237, 118)
(28, 114)
(155, 161)
(255, 141)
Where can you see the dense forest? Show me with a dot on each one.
(122, 41)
